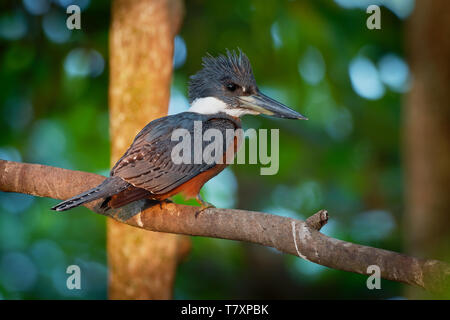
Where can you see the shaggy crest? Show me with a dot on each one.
(234, 67)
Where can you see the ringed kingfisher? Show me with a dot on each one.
(219, 94)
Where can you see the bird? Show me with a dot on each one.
(220, 93)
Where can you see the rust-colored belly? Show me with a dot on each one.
(191, 188)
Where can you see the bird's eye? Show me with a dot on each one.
(231, 86)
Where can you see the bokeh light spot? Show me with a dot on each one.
(84, 62)
(48, 255)
(275, 34)
(178, 101)
(36, 7)
(13, 25)
(54, 25)
(340, 124)
(18, 112)
(17, 271)
(15, 202)
(10, 154)
(394, 72)
(83, 4)
(402, 8)
(221, 190)
(312, 66)
(180, 52)
(365, 79)
(372, 225)
(47, 144)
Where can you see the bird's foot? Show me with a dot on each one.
(203, 205)
(166, 201)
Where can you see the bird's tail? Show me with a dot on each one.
(107, 188)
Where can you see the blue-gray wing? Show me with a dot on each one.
(150, 164)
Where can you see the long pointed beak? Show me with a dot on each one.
(261, 103)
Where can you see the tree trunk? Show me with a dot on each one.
(141, 263)
(427, 132)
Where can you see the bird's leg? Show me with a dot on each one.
(166, 201)
(203, 204)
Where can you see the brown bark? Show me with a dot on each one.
(427, 131)
(141, 264)
(300, 238)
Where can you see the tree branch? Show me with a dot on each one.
(296, 237)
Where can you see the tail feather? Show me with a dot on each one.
(128, 195)
(107, 188)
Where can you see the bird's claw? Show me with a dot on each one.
(166, 201)
(203, 205)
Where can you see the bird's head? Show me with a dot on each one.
(226, 84)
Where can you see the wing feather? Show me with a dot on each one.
(147, 164)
